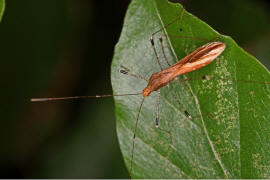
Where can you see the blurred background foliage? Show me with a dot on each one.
(64, 48)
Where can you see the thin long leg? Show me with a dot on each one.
(162, 47)
(126, 71)
(157, 109)
(173, 21)
(134, 137)
(187, 114)
(206, 77)
(157, 119)
(155, 51)
(180, 104)
(152, 39)
(163, 51)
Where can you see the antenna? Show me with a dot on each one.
(79, 97)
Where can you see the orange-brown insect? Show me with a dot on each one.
(197, 59)
(193, 61)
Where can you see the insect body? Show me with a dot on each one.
(197, 59)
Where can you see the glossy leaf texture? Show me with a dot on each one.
(228, 136)
(2, 8)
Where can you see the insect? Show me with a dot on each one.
(197, 59)
(193, 61)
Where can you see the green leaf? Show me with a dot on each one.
(2, 8)
(228, 136)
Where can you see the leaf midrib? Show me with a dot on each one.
(193, 95)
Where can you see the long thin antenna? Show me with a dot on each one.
(79, 97)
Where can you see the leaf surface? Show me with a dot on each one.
(228, 136)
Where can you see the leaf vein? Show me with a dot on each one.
(196, 100)
(177, 110)
(151, 147)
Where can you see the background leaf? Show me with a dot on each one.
(2, 8)
(227, 137)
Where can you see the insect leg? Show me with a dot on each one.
(134, 137)
(155, 51)
(157, 119)
(163, 51)
(179, 103)
(153, 43)
(173, 21)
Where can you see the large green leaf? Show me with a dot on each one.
(2, 8)
(228, 136)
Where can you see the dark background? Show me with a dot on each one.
(64, 48)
